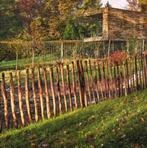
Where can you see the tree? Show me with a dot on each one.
(133, 5)
(32, 11)
(137, 5)
(10, 22)
(143, 5)
(70, 31)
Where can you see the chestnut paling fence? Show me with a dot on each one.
(39, 93)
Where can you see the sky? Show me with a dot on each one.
(116, 3)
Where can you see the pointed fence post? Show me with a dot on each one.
(12, 98)
(63, 87)
(74, 85)
(58, 90)
(81, 81)
(27, 95)
(5, 98)
(20, 99)
(40, 93)
(34, 96)
(69, 87)
(53, 90)
(46, 93)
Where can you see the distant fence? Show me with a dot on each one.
(21, 54)
(31, 95)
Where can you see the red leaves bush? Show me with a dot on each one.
(118, 57)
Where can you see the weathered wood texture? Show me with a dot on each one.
(43, 92)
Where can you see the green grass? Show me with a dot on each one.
(49, 58)
(114, 123)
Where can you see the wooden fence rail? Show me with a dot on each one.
(35, 94)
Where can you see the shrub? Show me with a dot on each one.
(118, 57)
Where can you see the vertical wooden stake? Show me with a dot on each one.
(4, 95)
(115, 79)
(108, 78)
(74, 85)
(81, 84)
(53, 91)
(46, 93)
(96, 81)
(40, 94)
(104, 80)
(63, 86)
(69, 87)
(84, 96)
(100, 79)
(118, 79)
(27, 95)
(58, 90)
(145, 71)
(142, 72)
(1, 119)
(91, 81)
(34, 96)
(136, 73)
(20, 99)
(125, 80)
(127, 73)
(87, 82)
(12, 93)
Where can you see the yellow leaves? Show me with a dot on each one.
(143, 1)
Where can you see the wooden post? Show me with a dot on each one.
(142, 72)
(108, 74)
(143, 45)
(27, 95)
(109, 48)
(118, 79)
(145, 70)
(16, 60)
(112, 84)
(58, 90)
(62, 50)
(91, 81)
(40, 93)
(1, 119)
(53, 91)
(125, 80)
(104, 80)
(96, 81)
(115, 79)
(84, 99)
(134, 78)
(4, 95)
(100, 79)
(127, 74)
(87, 82)
(12, 93)
(20, 99)
(46, 93)
(69, 87)
(81, 84)
(74, 85)
(136, 73)
(34, 96)
(63, 86)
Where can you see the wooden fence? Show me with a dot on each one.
(39, 93)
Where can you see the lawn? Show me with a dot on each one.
(120, 122)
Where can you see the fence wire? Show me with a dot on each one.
(17, 55)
